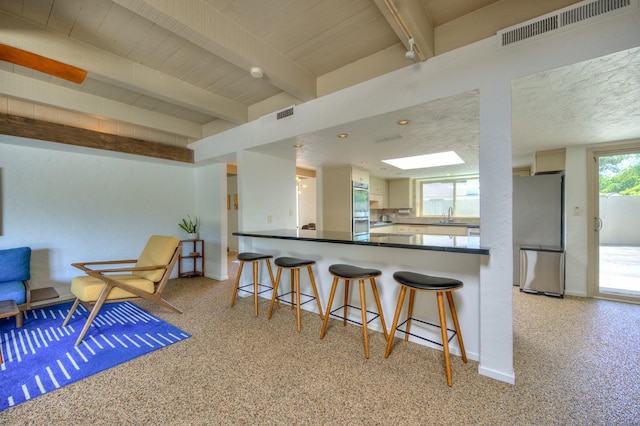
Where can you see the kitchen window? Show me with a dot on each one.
(450, 198)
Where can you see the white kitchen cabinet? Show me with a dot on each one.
(359, 175)
(552, 160)
(337, 186)
(418, 229)
(378, 193)
(390, 229)
(458, 231)
(378, 186)
(401, 194)
(402, 229)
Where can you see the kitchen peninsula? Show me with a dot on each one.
(458, 257)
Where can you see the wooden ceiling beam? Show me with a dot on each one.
(30, 128)
(118, 71)
(409, 19)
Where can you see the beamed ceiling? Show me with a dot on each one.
(168, 73)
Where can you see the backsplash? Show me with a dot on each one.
(410, 218)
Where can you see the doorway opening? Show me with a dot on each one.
(616, 235)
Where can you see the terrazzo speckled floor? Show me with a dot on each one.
(576, 362)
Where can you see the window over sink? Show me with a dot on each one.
(450, 198)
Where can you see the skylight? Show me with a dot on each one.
(423, 161)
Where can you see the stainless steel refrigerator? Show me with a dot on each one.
(538, 233)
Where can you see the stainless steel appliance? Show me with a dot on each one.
(538, 233)
(360, 208)
(542, 270)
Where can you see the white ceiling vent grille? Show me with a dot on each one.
(592, 9)
(560, 19)
(284, 113)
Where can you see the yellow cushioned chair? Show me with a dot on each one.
(146, 279)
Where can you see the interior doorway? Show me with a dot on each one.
(615, 201)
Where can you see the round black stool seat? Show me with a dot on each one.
(250, 257)
(350, 273)
(426, 282)
(294, 265)
(293, 262)
(353, 272)
(253, 259)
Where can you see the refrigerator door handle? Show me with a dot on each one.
(597, 224)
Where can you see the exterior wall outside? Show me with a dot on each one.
(620, 225)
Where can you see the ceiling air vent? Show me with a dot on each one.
(590, 10)
(530, 30)
(284, 113)
(555, 21)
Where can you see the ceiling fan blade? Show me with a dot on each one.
(40, 63)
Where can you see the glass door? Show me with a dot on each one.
(616, 242)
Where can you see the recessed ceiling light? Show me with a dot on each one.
(403, 122)
(364, 162)
(343, 135)
(423, 161)
(298, 145)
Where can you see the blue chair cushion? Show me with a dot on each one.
(13, 290)
(15, 264)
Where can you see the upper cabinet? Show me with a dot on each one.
(359, 175)
(378, 193)
(549, 161)
(401, 193)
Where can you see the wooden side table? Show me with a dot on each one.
(8, 308)
(193, 256)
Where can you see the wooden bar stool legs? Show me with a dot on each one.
(349, 273)
(294, 265)
(441, 286)
(252, 258)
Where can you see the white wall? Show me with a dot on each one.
(232, 214)
(80, 206)
(211, 205)
(307, 211)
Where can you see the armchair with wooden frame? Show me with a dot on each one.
(146, 279)
(15, 273)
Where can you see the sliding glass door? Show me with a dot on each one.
(615, 248)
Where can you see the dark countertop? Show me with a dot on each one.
(466, 225)
(466, 244)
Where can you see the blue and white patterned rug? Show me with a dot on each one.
(41, 357)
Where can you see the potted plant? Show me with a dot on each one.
(190, 226)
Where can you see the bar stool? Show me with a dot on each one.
(294, 265)
(252, 258)
(414, 281)
(348, 273)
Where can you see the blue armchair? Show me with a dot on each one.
(15, 273)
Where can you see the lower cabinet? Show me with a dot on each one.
(458, 231)
(383, 230)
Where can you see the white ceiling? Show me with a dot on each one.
(591, 102)
(182, 68)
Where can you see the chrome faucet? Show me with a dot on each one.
(450, 215)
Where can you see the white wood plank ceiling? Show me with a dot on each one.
(182, 67)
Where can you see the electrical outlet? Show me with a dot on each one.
(576, 211)
(290, 212)
(269, 218)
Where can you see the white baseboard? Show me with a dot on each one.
(498, 375)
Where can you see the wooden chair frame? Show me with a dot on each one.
(110, 283)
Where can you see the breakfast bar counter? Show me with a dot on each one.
(453, 244)
(459, 258)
